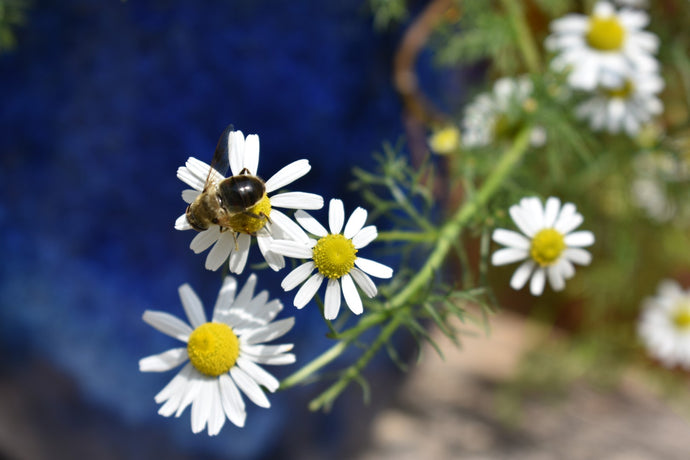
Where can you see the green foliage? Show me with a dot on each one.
(12, 16)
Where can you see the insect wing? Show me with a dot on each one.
(221, 158)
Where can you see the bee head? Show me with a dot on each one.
(195, 223)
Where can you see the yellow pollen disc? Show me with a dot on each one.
(681, 317)
(445, 140)
(213, 348)
(547, 246)
(605, 34)
(253, 219)
(334, 256)
(623, 92)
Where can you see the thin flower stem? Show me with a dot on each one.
(397, 235)
(523, 35)
(449, 232)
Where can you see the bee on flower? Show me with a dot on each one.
(222, 355)
(334, 256)
(227, 212)
(548, 244)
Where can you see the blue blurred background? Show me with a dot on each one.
(101, 102)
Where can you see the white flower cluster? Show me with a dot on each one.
(223, 355)
(609, 56)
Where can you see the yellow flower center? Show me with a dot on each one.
(445, 140)
(213, 348)
(334, 256)
(253, 219)
(681, 317)
(547, 246)
(605, 34)
(622, 92)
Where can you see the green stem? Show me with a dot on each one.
(449, 232)
(523, 35)
(400, 235)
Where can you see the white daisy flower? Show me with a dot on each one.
(548, 245)
(223, 355)
(626, 107)
(334, 256)
(604, 48)
(487, 117)
(234, 242)
(664, 325)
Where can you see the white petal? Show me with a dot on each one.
(163, 362)
(551, 208)
(510, 238)
(220, 252)
(168, 324)
(310, 224)
(364, 282)
(288, 228)
(236, 144)
(355, 222)
(269, 332)
(364, 236)
(258, 374)
(332, 299)
(508, 256)
(192, 305)
(251, 154)
(352, 298)
(181, 223)
(577, 255)
(189, 195)
(269, 354)
(174, 391)
(249, 387)
(374, 268)
(247, 293)
(536, 286)
(568, 220)
(287, 175)
(555, 277)
(216, 416)
(297, 200)
(308, 289)
(336, 216)
(201, 407)
(203, 240)
(521, 275)
(521, 220)
(291, 249)
(231, 400)
(274, 260)
(297, 276)
(579, 239)
(191, 391)
(226, 296)
(238, 258)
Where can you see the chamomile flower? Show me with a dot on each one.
(222, 355)
(604, 48)
(664, 325)
(548, 245)
(234, 242)
(334, 257)
(496, 115)
(626, 107)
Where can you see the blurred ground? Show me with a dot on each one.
(448, 409)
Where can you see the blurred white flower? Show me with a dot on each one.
(548, 245)
(626, 107)
(664, 325)
(490, 116)
(604, 48)
(223, 355)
